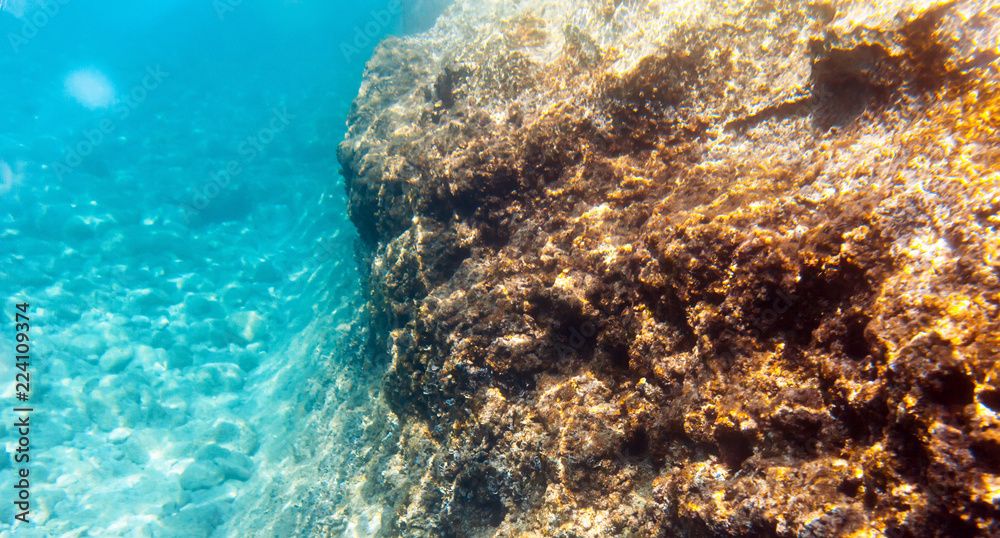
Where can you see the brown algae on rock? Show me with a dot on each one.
(686, 269)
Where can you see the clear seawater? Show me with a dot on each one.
(172, 214)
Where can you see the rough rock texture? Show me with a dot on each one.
(686, 269)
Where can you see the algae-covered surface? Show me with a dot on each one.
(684, 269)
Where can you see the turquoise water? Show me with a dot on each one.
(173, 218)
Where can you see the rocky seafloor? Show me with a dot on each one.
(683, 269)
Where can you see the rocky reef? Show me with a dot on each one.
(679, 268)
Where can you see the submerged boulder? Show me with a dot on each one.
(686, 269)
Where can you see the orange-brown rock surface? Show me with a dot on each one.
(686, 269)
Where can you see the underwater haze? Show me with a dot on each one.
(178, 256)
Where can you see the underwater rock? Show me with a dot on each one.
(686, 269)
(231, 464)
(116, 359)
(200, 475)
(216, 378)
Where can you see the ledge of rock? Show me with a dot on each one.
(687, 269)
